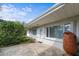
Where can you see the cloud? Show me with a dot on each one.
(27, 9)
(10, 12)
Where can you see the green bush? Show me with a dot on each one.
(12, 33)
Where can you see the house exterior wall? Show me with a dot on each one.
(41, 31)
(77, 30)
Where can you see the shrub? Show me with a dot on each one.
(12, 33)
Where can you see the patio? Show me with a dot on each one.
(31, 49)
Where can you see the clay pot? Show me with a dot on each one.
(70, 43)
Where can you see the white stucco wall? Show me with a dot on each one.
(28, 34)
(77, 30)
(41, 36)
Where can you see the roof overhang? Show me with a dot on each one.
(58, 12)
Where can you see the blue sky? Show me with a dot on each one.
(23, 12)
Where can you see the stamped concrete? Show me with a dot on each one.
(31, 49)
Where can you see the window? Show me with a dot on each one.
(52, 31)
(57, 31)
(67, 27)
(47, 30)
(34, 31)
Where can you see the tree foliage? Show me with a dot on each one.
(12, 33)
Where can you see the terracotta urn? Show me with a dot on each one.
(70, 43)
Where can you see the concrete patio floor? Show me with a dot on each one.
(31, 49)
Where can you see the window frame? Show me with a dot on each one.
(35, 31)
(54, 38)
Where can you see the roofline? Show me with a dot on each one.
(47, 11)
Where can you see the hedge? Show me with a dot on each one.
(12, 33)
